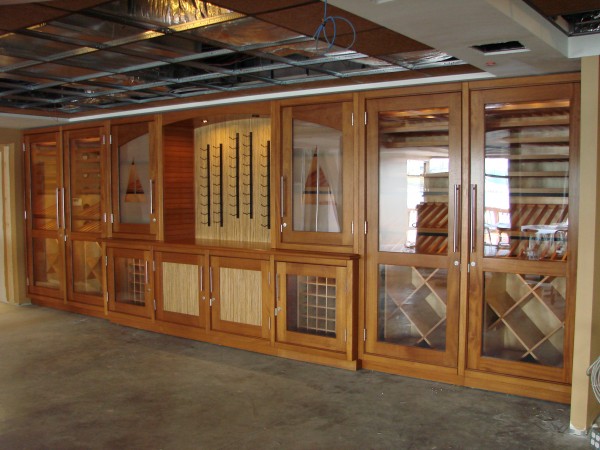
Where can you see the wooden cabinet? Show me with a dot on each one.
(314, 305)
(85, 154)
(134, 214)
(413, 200)
(180, 288)
(239, 292)
(316, 189)
(130, 281)
(524, 146)
(46, 214)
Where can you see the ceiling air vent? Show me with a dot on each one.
(499, 48)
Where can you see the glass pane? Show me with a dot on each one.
(311, 305)
(47, 263)
(87, 267)
(44, 176)
(527, 180)
(86, 182)
(524, 317)
(317, 169)
(413, 181)
(134, 173)
(130, 281)
(412, 306)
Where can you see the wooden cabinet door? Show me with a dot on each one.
(312, 310)
(316, 183)
(413, 247)
(85, 203)
(45, 214)
(134, 190)
(180, 283)
(130, 281)
(238, 296)
(524, 153)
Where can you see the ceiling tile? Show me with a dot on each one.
(13, 17)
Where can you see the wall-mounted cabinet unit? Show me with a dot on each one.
(134, 213)
(315, 185)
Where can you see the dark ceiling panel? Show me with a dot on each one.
(563, 7)
(13, 17)
(71, 5)
(252, 7)
(380, 42)
(307, 18)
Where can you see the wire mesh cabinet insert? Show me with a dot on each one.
(312, 307)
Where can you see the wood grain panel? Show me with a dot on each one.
(241, 296)
(180, 288)
(179, 214)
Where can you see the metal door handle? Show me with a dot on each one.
(455, 231)
(473, 216)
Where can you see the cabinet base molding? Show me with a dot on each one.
(524, 387)
(78, 308)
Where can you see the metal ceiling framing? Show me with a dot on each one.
(108, 56)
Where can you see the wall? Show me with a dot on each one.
(12, 257)
(584, 407)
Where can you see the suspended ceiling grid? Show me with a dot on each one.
(67, 58)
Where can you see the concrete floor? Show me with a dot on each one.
(76, 382)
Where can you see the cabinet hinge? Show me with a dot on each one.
(25, 213)
(104, 217)
(27, 281)
(352, 121)
(110, 139)
(365, 117)
(154, 301)
(269, 323)
(103, 139)
(106, 261)
(23, 146)
(106, 295)
(153, 266)
(364, 335)
(112, 218)
(346, 335)
(269, 277)
(352, 227)
(366, 227)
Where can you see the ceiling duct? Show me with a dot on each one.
(174, 12)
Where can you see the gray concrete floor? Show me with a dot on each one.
(76, 382)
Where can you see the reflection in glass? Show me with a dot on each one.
(130, 281)
(317, 177)
(47, 263)
(526, 180)
(44, 185)
(413, 181)
(311, 304)
(412, 306)
(524, 318)
(86, 183)
(134, 173)
(87, 267)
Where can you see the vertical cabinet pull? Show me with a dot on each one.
(277, 287)
(62, 204)
(201, 278)
(455, 231)
(210, 280)
(281, 194)
(146, 270)
(151, 197)
(57, 211)
(473, 216)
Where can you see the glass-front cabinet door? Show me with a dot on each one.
(46, 215)
(413, 242)
(133, 180)
(523, 145)
(316, 182)
(130, 281)
(311, 305)
(85, 155)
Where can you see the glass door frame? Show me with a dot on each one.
(479, 264)
(450, 261)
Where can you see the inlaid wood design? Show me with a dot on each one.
(180, 288)
(241, 296)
